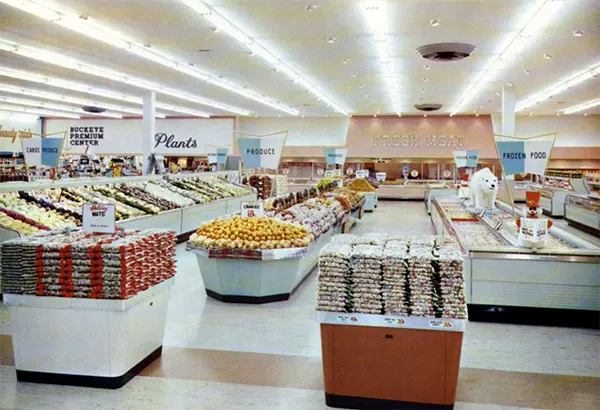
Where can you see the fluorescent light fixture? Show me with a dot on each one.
(376, 15)
(539, 15)
(84, 88)
(229, 28)
(89, 27)
(559, 87)
(72, 100)
(37, 111)
(582, 107)
(66, 62)
(53, 106)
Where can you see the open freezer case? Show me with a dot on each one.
(557, 284)
(583, 211)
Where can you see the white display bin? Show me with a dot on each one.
(87, 342)
(241, 280)
(370, 201)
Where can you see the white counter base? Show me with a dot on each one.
(87, 342)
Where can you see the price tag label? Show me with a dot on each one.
(98, 218)
(381, 176)
(253, 209)
(363, 173)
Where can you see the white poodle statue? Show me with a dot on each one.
(483, 189)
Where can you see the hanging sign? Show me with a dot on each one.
(253, 209)
(42, 151)
(335, 156)
(362, 173)
(222, 155)
(381, 176)
(524, 156)
(261, 152)
(466, 159)
(98, 218)
(212, 158)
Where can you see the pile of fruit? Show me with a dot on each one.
(348, 198)
(318, 214)
(33, 214)
(251, 233)
(360, 185)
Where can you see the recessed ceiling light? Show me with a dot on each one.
(400, 115)
(345, 61)
(426, 67)
(331, 40)
(585, 115)
(531, 114)
(527, 71)
(422, 90)
(216, 30)
(425, 115)
(355, 75)
(377, 111)
(578, 33)
(374, 115)
(557, 114)
(424, 79)
(255, 115)
(279, 116)
(477, 114)
(311, 7)
(498, 93)
(548, 56)
(481, 106)
(510, 84)
(366, 95)
(435, 23)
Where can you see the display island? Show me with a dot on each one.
(555, 285)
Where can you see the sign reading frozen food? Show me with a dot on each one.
(261, 152)
(362, 173)
(335, 156)
(525, 156)
(253, 209)
(381, 176)
(466, 159)
(42, 151)
(98, 218)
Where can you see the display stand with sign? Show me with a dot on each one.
(377, 361)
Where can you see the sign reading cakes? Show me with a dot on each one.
(42, 151)
(524, 156)
(261, 152)
(98, 218)
(335, 156)
(466, 159)
(253, 209)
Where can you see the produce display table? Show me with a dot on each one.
(390, 362)
(87, 342)
(254, 276)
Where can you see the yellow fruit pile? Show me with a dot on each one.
(251, 233)
(360, 185)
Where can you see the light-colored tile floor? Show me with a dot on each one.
(289, 328)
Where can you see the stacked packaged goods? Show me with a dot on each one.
(334, 278)
(420, 274)
(366, 279)
(452, 286)
(75, 264)
(394, 284)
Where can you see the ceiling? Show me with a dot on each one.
(299, 38)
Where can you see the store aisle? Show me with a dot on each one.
(233, 356)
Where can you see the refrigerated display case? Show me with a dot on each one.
(557, 185)
(583, 211)
(557, 284)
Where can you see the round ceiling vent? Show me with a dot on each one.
(95, 110)
(428, 107)
(446, 51)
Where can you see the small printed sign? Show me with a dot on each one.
(363, 173)
(446, 324)
(347, 318)
(381, 176)
(252, 209)
(98, 218)
(335, 156)
(466, 159)
(397, 321)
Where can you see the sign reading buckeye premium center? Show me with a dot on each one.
(85, 136)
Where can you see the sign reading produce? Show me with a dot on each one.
(262, 151)
(521, 155)
(98, 218)
(335, 156)
(253, 209)
(466, 159)
(42, 151)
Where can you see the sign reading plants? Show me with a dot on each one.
(163, 140)
(335, 156)
(262, 151)
(98, 218)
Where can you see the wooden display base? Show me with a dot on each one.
(88, 381)
(392, 368)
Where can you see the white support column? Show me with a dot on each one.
(148, 128)
(509, 99)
